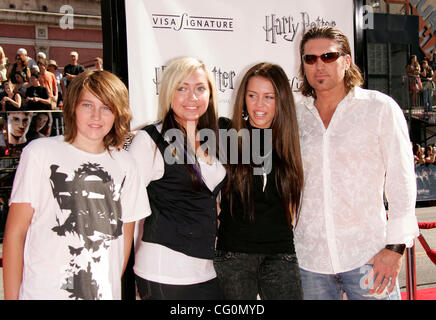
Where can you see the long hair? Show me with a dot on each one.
(46, 129)
(174, 74)
(412, 57)
(288, 167)
(353, 76)
(112, 92)
(11, 85)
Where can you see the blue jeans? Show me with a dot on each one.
(243, 276)
(318, 286)
(149, 290)
(427, 99)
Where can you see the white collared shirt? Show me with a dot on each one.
(365, 150)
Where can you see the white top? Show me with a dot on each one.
(365, 148)
(74, 247)
(156, 262)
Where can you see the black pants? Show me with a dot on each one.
(149, 290)
(243, 276)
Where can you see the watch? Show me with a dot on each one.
(398, 248)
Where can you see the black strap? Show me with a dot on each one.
(157, 137)
(224, 123)
(398, 248)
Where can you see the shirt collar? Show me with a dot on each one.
(356, 93)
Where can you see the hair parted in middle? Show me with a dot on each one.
(353, 76)
(285, 139)
(112, 92)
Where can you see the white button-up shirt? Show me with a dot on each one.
(364, 151)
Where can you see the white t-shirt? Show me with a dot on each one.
(74, 247)
(156, 262)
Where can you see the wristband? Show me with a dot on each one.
(398, 248)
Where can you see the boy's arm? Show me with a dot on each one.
(128, 229)
(18, 221)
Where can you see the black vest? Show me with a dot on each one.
(182, 219)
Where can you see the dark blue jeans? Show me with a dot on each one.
(243, 276)
(427, 99)
(149, 290)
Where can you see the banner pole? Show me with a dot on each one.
(411, 272)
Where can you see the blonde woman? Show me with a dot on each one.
(174, 257)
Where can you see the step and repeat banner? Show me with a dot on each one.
(229, 36)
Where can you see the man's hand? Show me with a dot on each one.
(386, 267)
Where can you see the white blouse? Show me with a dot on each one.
(364, 151)
(156, 262)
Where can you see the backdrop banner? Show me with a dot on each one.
(229, 36)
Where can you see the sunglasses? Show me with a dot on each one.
(325, 57)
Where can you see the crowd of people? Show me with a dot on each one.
(308, 222)
(29, 84)
(422, 79)
(425, 155)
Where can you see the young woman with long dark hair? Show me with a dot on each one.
(260, 203)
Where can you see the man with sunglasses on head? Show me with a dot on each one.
(355, 146)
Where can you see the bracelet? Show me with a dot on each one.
(398, 248)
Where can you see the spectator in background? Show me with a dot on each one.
(48, 80)
(20, 66)
(30, 61)
(21, 85)
(34, 70)
(429, 155)
(98, 63)
(73, 69)
(418, 154)
(426, 75)
(53, 68)
(40, 56)
(432, 61)
(415, 85)
(3, 66)
(10, 100)
(37, 97)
